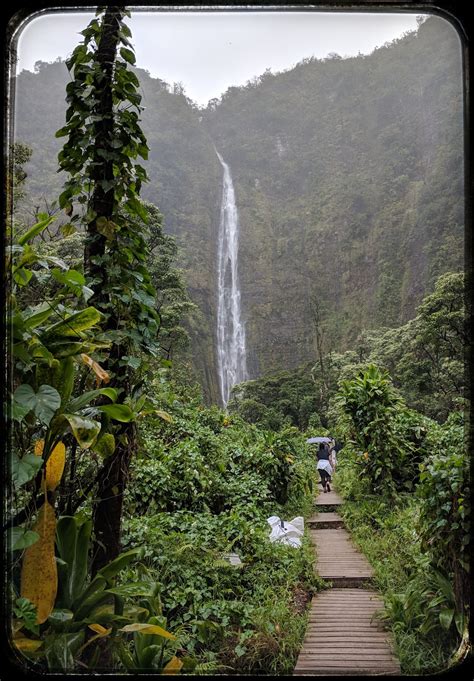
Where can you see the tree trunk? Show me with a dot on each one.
(112, 478)
(112, 481)
(102, 201)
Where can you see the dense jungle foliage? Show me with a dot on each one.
(349, 181)
(137, 516)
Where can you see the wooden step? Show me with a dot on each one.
(328, 520)
(331, 498)
(338, 560)
(344, 637)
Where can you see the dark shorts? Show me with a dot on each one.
(324, 476)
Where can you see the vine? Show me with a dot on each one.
(105, 178)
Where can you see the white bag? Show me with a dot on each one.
(286, 533)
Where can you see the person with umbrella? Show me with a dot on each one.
(324, 467)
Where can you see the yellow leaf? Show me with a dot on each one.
(173, 666)
(148, 629)
(164, 415)
(39, 577)
(55, 466)
(102, 375)
(99, 629)
(27, 644)
(39, 444)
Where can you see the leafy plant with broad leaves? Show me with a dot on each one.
(50, 344)
(372, 405)
(444, 524)
(85, 610)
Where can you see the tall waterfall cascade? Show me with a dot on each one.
(231, 353)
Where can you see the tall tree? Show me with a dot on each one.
(104, 139)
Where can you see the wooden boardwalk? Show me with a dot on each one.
(338, 560)
(344, 636)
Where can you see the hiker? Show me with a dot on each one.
(324, 467)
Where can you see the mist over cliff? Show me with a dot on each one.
(348, 177)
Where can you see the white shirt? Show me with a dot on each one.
(324, 465)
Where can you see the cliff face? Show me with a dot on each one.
(349, 184)
(349, 181)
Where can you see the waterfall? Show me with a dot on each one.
(231, 359)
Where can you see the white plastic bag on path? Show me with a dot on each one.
(286, 533)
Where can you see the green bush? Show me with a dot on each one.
(245, 615)
(372, 404)
(444, 491)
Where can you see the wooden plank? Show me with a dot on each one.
(353, 661)
(344, 636)
(326, 520)
(330, 515)
(337, 557)
(328, 499)
(334, 643)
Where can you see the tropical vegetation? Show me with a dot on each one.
(137, 517)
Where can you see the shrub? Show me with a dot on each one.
(371, 403)
(444, 491)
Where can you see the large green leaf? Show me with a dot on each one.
(25, 396)
(133, 589)
(72, 541)
(35, 230)
(88, 607)
(84, 430)
(60, 650)
(20, 538)
(75, 323)
(60, 617)
(48, 401)
(38, 315)
(25, 469)
(44, 403)
(69, 278)
(84, 399)
(128, 55)
(446, 617)
(114, 567)
(144, 628)
(89, 595)
(66, 348)
(118, 412)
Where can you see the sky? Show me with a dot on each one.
(209, 51)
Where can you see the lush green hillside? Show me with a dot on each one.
(349, 184)
(348, 177)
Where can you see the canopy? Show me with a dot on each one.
(312, 440)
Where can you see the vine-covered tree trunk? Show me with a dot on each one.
(108, 507)
(103, 120)
(103, 200)
(107, 512)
